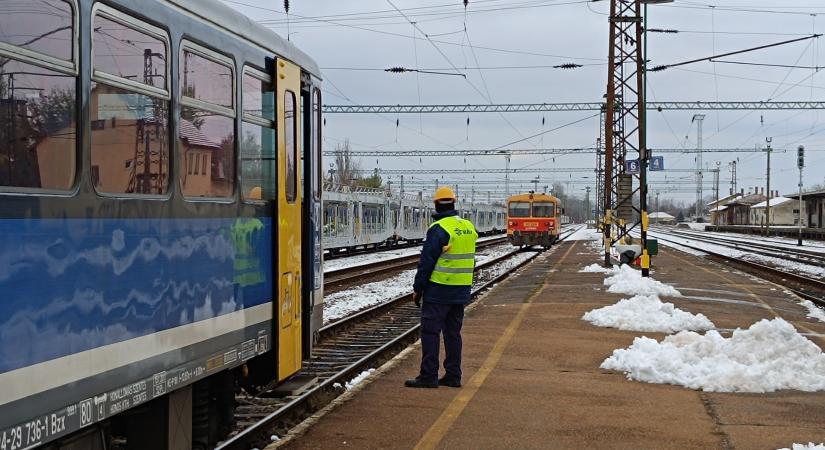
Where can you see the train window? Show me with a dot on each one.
(316, 129)
(258, 144)
(38, 111)
(207, 123)
(121, 49)
(544, 209)
(205, 79)
(290, 146)
(129, 102)
(258, 95)
(43, 26)
(519, 209)
(258, 167)
(38, 117)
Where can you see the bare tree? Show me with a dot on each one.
(346, 166)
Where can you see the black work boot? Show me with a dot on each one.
(419, 383)
(450, 382)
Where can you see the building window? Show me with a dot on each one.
(207, 124)
(38, 101)
(129, 88)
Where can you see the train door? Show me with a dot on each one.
(288, 83)
(313, 252)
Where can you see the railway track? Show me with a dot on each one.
(344, 350)
(772, 249)
(809, 288)
(372, 248)
(335, 279)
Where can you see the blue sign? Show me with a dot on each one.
(657, 163)
(632, 166)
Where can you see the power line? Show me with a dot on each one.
(585, 106)
(537, 151)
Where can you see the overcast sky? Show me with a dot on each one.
(370, 34)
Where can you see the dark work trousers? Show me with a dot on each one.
(438, 318)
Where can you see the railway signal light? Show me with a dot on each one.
(800, 156)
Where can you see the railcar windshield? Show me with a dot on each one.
(544, 209)
(519, 209)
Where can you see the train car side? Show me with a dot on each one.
(161, 238)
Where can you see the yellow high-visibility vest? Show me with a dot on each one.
(455, 265)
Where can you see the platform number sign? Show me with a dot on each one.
(632, 166)
(800, 156)
(657, 163)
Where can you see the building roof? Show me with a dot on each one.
(193, 136)
(719, 208)
(724, 200)
(748, 200)
(774, 202)
(660, 215)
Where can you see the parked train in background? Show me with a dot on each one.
(364, 218)
(160, 214)
(534, 219)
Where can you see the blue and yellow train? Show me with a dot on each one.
(160, 214)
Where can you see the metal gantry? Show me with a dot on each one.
(624, 130)
(580, 106)
(538, 151)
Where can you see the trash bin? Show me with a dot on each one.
(652, 247)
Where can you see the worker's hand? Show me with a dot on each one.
(417, 298)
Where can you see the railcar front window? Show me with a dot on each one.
(519, 209)
(207, 123)
(129, 107)
(543, 209)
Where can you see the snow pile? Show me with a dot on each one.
(361, 376)
(647, 313)
(769, 356)
(808, 446)
(627, 280)
(814, 312)
(596, 268)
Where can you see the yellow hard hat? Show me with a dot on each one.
(444, 193)
(255, 193)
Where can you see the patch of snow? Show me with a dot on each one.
(343, 303)
(359, 378)
(769, 356)
(808, 446)
(814, 312)
(647, 313)
(627, 280)
(596, 268)
(585, 234)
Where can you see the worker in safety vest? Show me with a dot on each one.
(442, 289)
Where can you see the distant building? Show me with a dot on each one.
(738, 211)
(814, 208)
(662, 218)
(784, 211)
(718, 209)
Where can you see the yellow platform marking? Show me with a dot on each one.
(445, 421)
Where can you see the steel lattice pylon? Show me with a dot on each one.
(624, 129)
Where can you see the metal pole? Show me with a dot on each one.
(768, 188)
(800, 163)
(507, 177)
(699, 118)
(643, 154)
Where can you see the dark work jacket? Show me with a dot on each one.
(437, 238)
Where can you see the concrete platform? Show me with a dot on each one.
(532, 377)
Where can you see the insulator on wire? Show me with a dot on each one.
(286, 6)
(542, 120)
(465, 3)
(567, 66)
(396, 70)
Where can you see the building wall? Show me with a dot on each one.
(815, 211)
(784, 214)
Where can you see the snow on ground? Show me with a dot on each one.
(808, 446)
(776, 241)
(694, 226)
(343, 303)
(585, 234)
(769, 356)
(355, 381)
(505, 266)
(805, 269)
(596, 268)
(627, 280)
(647, 313)
(814, 311)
